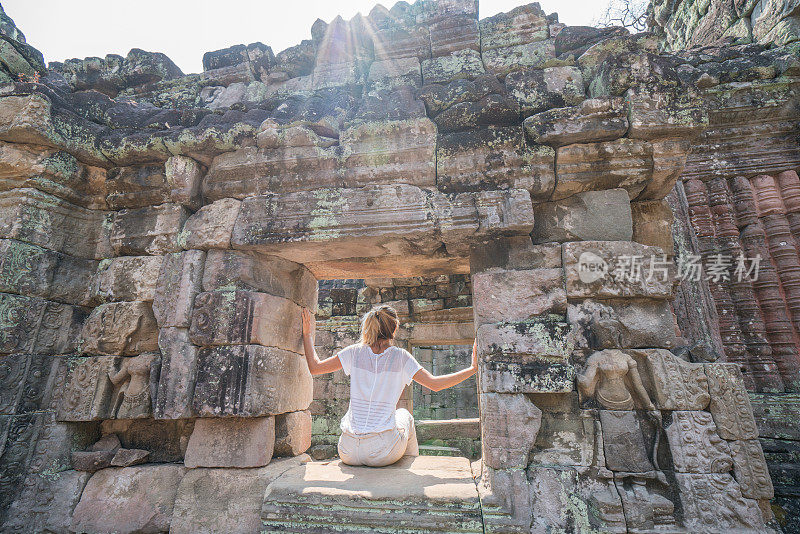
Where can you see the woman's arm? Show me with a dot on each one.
(438, 383)
(315, 365)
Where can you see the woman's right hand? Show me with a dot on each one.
(309, 323)
(475, 355)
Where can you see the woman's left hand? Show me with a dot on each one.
(309, 323)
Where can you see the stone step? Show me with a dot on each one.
(415, 495)
(437, 450)
(448, 429)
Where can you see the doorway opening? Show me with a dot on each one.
(436, 326)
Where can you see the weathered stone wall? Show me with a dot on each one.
(736, 197)
(690, 23)
(180, 222)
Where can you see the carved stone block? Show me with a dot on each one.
(231, 442)
(287, 159)
(516, 252)
(136, 186)
(535, 375)
(466, 219)
(295, 158)
(401, 151)
(669, 160)
(453, 33)
(505, 497)
(595, 119)
(183, 176)
(555, 488)
(292, 433)
(695, 445)
(178, 373)
(149, 230)
(403, 41)
(34, 325)
(676, 384)
(316, 220)
(128, 499)
(126, 278)
(645, 509)
(34, 271)
(625, 163)
(750, 469)
(542, 90)
(509, 427)
(663, 114)
(41, 376)
(45, 220)
(524, 24)
(52, 171)
(624, 442)
(27, 382)
(211, 226)
(87, 392)
(514, 341)
(123, 328)
(612, 269)
(55, 441)
(13, 373)
(197, 509)
(622, 323)
(390, 74)
(652, 224)
(730, 403)
(248, 270)
(166, 441)
(714, 502)
(525, 357)
(517, 295)
(588, 216)
(246, 317)
(250, 380)
(17, 435)
(45, 503)
(319, 227)
(496, 156)
(535, 54)
(178, 283)
(612, 380)
(458, 65)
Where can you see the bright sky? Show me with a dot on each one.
(185, 29)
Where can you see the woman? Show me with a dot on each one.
(374, 433)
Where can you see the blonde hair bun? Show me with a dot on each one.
(378, 323)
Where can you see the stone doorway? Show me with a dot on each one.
(436, 326)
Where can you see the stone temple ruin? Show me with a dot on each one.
(161, 232)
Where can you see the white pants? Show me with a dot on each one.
(377, 449)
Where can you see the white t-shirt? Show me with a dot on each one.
(376, 383)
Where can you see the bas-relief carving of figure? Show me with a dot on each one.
(612, 378)
(133, 399)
